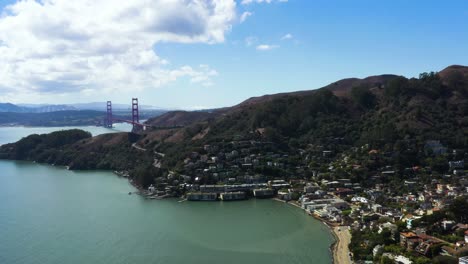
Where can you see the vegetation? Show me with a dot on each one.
(395, 115)
(78, 150)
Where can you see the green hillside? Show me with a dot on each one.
(393, 115)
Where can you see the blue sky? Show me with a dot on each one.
(328, 41)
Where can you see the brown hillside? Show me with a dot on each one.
(180, 118)
(454, 70)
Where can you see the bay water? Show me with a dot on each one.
(52, 215)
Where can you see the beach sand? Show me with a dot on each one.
(340, 248)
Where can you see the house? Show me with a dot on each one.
(460, 244)
(440, 188)
(278, 184)
(388, 173)
(463, 260)
(377, 208)
(403, 260)
(389, 226)
(447, 225)
(407, 239)
(434, 147)
(459, 164)
(329, 212)
(284, 195)
(355, 225)
(310, 188)
(341, 192)
(424, 247)
(358, 199)
(377, 250)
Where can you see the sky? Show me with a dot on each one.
(194, 54)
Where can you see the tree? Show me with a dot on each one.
(396, 87)
(431, 84)
(363, 97)
(444, 260)
(459, 209)
(386, 260)
(456, 81)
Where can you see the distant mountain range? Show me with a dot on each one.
(47, 108)
(67, 115)
(9, 107)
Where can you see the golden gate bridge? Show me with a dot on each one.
(110, 119)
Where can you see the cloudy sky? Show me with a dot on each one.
(212, 53)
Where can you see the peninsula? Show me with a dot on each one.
(384, 155)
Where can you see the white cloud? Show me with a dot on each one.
(287, 36)
(95, 46)
(249, 41)
(244, 16)
(265, 47)
(247, 2)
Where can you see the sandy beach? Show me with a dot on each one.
(340, 248)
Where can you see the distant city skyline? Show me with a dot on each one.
(208, 54)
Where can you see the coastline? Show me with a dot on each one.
(339, 249)
(339, 254)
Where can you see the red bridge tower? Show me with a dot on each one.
(108, 121)
(135, 113)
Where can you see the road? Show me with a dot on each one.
(134, 145)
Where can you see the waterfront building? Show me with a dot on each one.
(202, 196)
(278, 184)
(338, 203)
(244, 187)
(263, 193)
(232, 196)
(212, 188)
(284, 195)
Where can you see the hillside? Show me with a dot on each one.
(340, 88)
(180, 118)
(388, 112)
